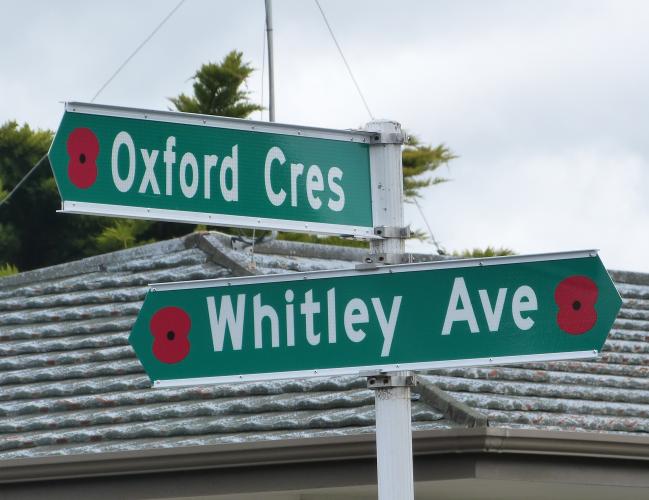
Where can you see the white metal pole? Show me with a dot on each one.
(393, 434)
(271, 78)
(392, 391)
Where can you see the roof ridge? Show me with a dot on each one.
(92, 264)
(450, 407)
(311, 250)
(219, 249)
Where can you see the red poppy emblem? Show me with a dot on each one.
(576, 297)
(170, 328)
(83, 149)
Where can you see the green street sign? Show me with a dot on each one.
(405, 317)
(212, 170)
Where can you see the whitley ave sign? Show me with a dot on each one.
(413, 316)
(212, 170)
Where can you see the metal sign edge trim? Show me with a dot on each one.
(400, 268)
(327, 372)
(359, 136)
(162, 214)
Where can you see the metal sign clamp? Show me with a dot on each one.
(390, 380)
(393, 232)
(388, 138)
(375, 259)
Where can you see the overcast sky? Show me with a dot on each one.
(545, 103)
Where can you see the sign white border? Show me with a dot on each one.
(399, 268)
(361, 136)
(358, 370)
(161, 214)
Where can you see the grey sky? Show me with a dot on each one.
(544, 102)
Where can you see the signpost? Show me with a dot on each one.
(404, 317)
(385, 320)
(212, 170)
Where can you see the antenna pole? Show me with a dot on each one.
(271, 82)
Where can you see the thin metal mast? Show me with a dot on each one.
(271, 82)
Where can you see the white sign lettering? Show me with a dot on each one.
(274, 328)
(460, 308)
(313, 187)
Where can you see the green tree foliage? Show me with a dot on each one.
(478, 253)
(122, 233)
(419, 160)
(217, 89)
(32, 234)
(8, 270)
(8, 239)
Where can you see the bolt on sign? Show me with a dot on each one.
(212, 170)
(412, 316)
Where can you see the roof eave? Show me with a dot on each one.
(351, 447)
